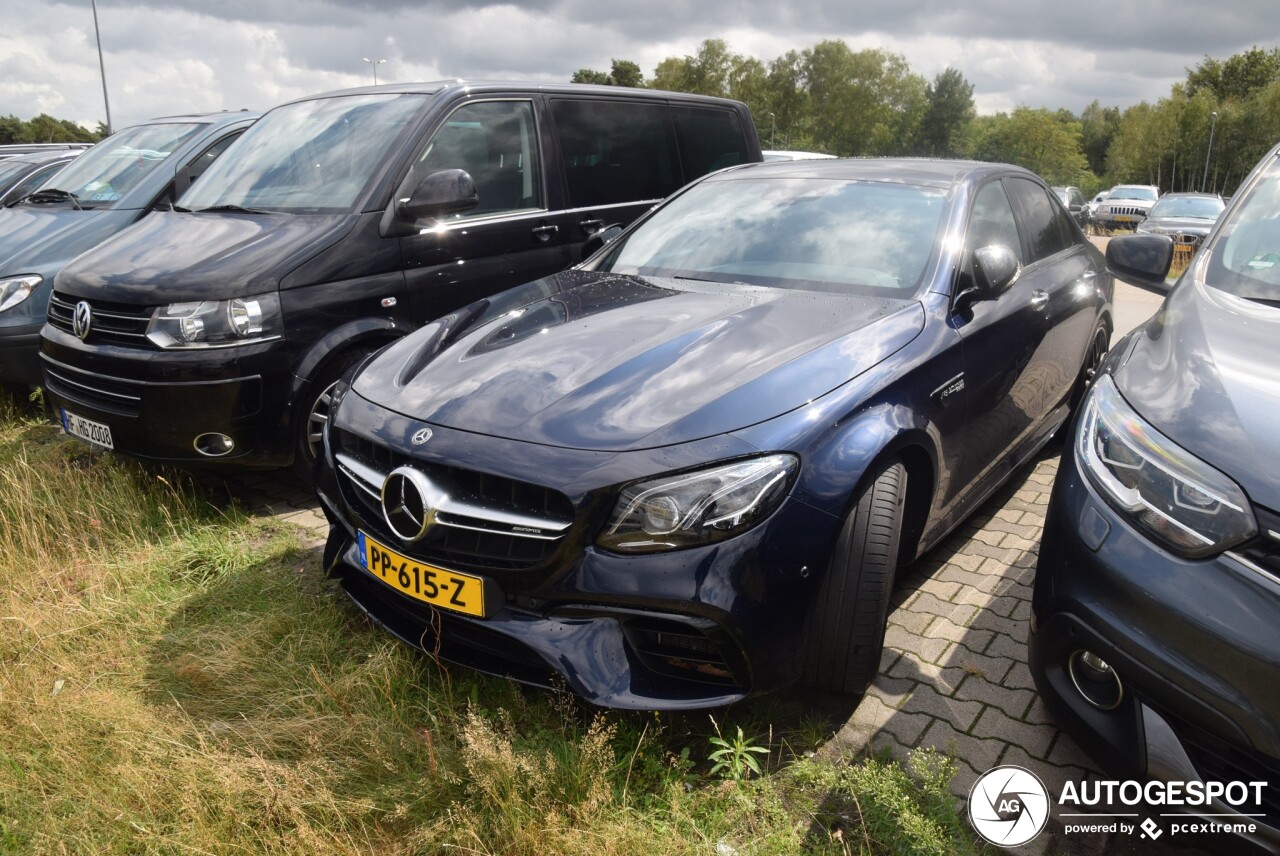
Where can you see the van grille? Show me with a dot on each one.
(98, 391)
(116, 323)
(491, 523)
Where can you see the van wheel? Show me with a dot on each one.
(847, 621)
(1093, 357)
(309, 423)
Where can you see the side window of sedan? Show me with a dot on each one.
(1044, 222)
(992, 221)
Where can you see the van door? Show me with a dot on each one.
(510, 237)
(618, 158)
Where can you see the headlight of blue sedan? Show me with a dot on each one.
(1166, 491)
(692, 509)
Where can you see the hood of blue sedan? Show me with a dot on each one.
(613, 363)
(1204, 373)
(32, 238)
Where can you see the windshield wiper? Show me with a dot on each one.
(239, 208)
(52, 194)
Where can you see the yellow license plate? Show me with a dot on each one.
(446, 589)
(1125, 218)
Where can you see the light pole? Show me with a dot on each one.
(375, 64)
(773, 125)
(101, 67)
(1212, 127)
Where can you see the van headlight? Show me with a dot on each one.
(17, 289)
(692, 509)
(1166, 491)
(210, 323)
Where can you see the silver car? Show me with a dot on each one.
(1126, 206)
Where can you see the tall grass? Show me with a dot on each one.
(178, 678)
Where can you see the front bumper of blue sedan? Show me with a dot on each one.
(685, 629)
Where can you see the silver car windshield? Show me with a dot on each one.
(105, 173)
(1204, 207)
(310, 157)
(802, 233)
(1245, 257)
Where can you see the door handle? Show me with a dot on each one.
(1039, 299)
(590, 227)
(544, 233)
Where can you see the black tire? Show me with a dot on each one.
(310, 419)
(845, 634)
(1099, 344)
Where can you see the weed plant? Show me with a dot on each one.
(178, 678)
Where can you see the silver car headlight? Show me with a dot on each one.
(214, 323)
(17, 289)
(1166, 491)
(702, 507)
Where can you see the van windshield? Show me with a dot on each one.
(312, 157)
(105, 173)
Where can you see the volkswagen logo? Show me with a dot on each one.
(409, 503)
(82, 319)
(421, 436)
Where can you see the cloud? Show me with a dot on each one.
(191, 55)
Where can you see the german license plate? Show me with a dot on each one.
(446, 589)
(87, 430)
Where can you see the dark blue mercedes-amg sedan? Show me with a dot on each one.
(685, 471)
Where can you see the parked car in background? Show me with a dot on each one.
(1155, 632)
(105, 190)
(1126, 206)
(686, 471)
(340, 223)
(1092, 205)
(775, 155)
(1187, 218)
(1073, 200)
(22, 174)
(8, 150)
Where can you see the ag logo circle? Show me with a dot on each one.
(1008, 806)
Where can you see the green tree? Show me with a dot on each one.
(870, 101)
(1238, 76)
(1098, 127)
(705, 73)
(1036, 139)
(948, 116)
(623, 72)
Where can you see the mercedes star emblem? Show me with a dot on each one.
(421, 436)
(82, 320)
(409, 503)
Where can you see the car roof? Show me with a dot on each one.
(40, 158)
(920, 171)
(221, 117)
(482, 86)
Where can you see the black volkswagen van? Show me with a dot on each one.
(340, 222)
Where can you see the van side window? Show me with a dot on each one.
(709, 140)
(615, 151)
(496, 143)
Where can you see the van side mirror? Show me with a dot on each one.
(449, 191)
(1140, 258)
(995, 267)
(599, 239)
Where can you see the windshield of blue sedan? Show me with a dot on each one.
(802, 233)
(313, 157)
(105, 173)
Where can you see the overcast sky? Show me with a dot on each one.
(203, 55)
